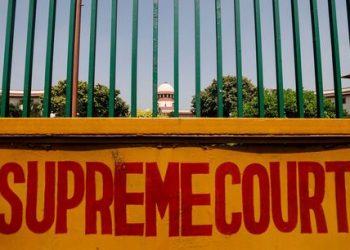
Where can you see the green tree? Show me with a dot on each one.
(101, 100)
(209, 96)
(14, 110)
(250, 101)
(290, 105)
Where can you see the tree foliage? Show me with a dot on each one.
(147, 113)
(290, 105)
(209, 96)
(15, 110)
(101, 100)
(250, 100)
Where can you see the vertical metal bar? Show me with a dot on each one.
(28, 72)
(76, 58)
(198, 56)
(259, 59)
(49, 58)
(317, 57)
(6, 73)
(348, 14)
(155, 57)
(92, 58)
(297, 59)
(238, 59)
(113, 59)
(219, 58)
(176, 58)
(134, 58)
(278, 55)
(69, 82)
(335, 58)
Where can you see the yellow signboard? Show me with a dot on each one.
(259, 197)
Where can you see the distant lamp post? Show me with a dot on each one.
(76, 57)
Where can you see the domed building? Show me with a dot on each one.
(165, 98)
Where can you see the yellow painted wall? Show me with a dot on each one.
(313, 162)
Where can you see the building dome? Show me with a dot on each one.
(165, 98)
(165, 88)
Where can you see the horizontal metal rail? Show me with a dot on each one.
(208, 131)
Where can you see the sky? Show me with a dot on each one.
(187, 57)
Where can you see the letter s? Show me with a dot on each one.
(15, 203)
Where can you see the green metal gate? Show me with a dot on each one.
(332, 6)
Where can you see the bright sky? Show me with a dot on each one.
(187, 70)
